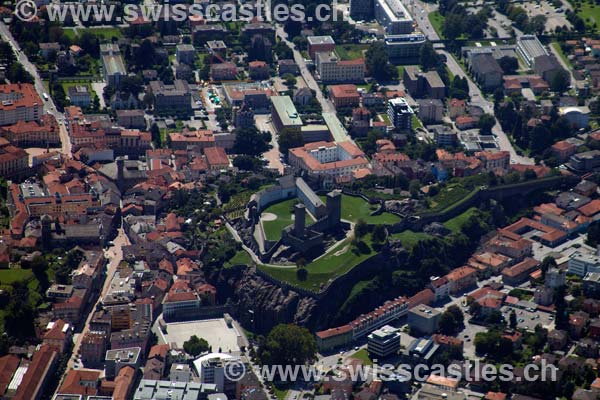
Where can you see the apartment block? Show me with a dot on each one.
(333, 70)
(19, 102)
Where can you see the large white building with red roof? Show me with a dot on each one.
(19, 102)
(329, 160)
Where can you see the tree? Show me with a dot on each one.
(302, 274)
(144, 55)
(287, 344)
(457, 313)
(289, 139)
(560, 81)
(493, 344)
(536, 25)
(451, 320)
(513, 320)
(498, 95)
(247, 163)
(19, 314)
(251, 141)
(453, 26)
(509, 65)
(529, 175)
(377, 61)
(486, 123)
(560, 304)
(379, 234)
(475, 309)
(195, 346)
(428, 58)
(361, 228)
(155, 132)
(414, 187)
(290, 80)
(148, 100)
(593, 235)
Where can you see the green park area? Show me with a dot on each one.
(240, 258)
(75, 82)
(282, 214)
(455, 224)
(355, 208)
(409, 238)
(362, 355)
(589, 12)
(351, 51)
(561, 53)
(105, 33)
(10, 276)
(437, 22)
(340, 259)
(448, 196)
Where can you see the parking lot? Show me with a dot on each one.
(527, 319)
(555, 16)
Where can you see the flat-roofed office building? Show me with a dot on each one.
(384, 341)
(284, 114)
(392, 15)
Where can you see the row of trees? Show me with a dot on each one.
(459, 22)
(514, 117)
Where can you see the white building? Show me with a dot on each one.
(393, 16)
(384, 341)
(400, 113)
(405, 46)
(19, 102)
(180, 373)
(112, 63)
(333, 70)
(529, 47)
(581, 263)
(424, 319)
(328, 159)
(211, 369)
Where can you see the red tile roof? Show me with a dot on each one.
(216, 157)
(81, 382)
(340, 330)
(40, 366)
(8, 366)
(460, 273)
(590, 209)
(20, 94)
(344, 91)
(123, 383)
(57, 331)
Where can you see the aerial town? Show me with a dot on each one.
(186, 203)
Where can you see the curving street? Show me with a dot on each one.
(477, 97)
(49, 105)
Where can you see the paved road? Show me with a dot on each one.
(563, 64)
(114, 255)
(326, 105)
(49, 105)
(478, 99)
(421, 11)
